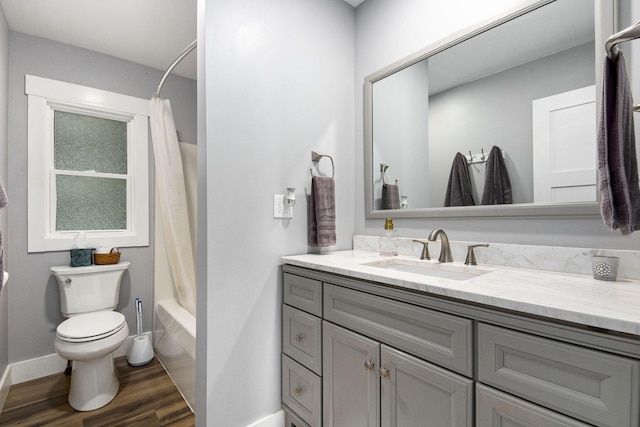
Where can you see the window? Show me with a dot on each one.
(87, 166)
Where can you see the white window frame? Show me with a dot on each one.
(46, 96)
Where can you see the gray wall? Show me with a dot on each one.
(279, 84)
(388, 31)
(4, 298)
(401, 105)
(34, 308)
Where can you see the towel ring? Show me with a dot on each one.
(383, 169)
(315, 158)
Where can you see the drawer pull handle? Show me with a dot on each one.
(384, 372)
(368, 365)
(299, 338)
(297, 392)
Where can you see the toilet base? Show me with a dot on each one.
(93, 383)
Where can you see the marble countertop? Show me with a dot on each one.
(574, 298)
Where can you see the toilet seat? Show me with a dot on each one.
(91, 326)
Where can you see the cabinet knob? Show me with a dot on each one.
(368, 365)
(297, 392)
(384, 372)
(299, 338)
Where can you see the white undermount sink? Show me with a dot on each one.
(433, 269)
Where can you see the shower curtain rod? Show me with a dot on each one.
(173, 65)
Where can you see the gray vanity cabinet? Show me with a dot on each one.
(361, 353)
(369, 384)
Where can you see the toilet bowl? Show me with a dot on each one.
(92, 332)
(89, 341)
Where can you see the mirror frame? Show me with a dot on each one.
(605, 24)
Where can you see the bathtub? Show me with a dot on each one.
(174, 342)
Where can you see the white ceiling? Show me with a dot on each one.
(147, 32)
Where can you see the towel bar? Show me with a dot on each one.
(628, 34)
(315, 158)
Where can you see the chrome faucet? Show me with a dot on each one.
(445, 249)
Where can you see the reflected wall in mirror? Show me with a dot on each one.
(525, 82)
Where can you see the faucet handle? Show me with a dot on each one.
(471, 256)
(425, 248)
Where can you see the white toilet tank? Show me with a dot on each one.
(88, 289)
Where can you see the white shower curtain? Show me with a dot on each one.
(171, 192)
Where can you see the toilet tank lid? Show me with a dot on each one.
(67, 270)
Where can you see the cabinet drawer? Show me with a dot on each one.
(291, 419)
(302, 338)
(437, 337)
(303, 293)
(302, 391)
(589, 385)
(494, 408)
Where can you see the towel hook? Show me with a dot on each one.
(482, 151)
(315, 158)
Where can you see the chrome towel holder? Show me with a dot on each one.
(628, 34)
(315, 158)
(482, 157)
(383, 169)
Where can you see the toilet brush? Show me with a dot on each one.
(140, 351)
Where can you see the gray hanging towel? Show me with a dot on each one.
(617, 162)
(4, 201)
(1, 260)
(497, 185)
(322, 212)
(390, 196)
(459, 185)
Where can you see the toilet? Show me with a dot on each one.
(92, 332)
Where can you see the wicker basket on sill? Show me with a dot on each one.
(110, 258)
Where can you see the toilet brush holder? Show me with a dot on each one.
(140, 351)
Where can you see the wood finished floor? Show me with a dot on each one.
(147, 398)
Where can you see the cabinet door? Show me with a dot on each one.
(416, 393)
(351, 386)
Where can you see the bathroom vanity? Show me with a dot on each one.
(374, 341)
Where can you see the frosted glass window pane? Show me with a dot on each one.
(83, 143)
(89, 203)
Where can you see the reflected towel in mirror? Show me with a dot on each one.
(4, 201)
(322, 212)
(390, 196)
(459, 185)
(617, 161)
(497, 185)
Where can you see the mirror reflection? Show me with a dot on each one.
(526, 87)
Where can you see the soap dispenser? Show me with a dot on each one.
(389, 239)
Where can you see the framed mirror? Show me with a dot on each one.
(526, 81)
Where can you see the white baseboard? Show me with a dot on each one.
(5, 384)
(51, 364)
(273, 420)
(39, 367)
